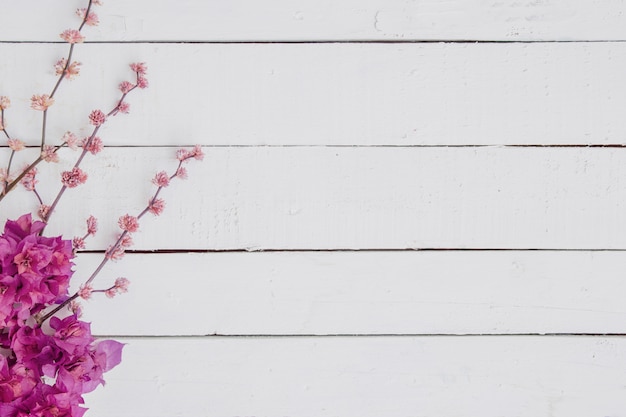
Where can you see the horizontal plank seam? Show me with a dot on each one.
(332, 41)
(364, 335)
(253, 250)
(532, 145)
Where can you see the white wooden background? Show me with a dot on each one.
(407, 207)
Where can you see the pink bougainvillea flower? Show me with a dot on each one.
(41, 102)
(97, 117)
(5, 103)
(73, 178)
(15, 144)
(92, 18)
(128, 223)
(156, 206)
(72, 36)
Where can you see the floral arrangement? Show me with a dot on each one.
(48, 356)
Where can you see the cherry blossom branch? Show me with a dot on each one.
(130, 224)
(65, 68)
(93, 144)
(73, 37)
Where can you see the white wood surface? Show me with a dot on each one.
(314, 20)
(331, 94)
(258, 198)
(331, 125)
(441, 292)
(363, 377)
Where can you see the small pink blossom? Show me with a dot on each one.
(139, 67)
(92, 225)
(15, 144)
(121, 284)
(48, 154)
(70, 72)
(76, 308)
(156, 206)
(181, 173)
(72, 36)
(92, 18)
(78, 243)
(41, 102)
(142, 82)
(97, 118)
(94, 146)
(111, 292)
(161, 179)
(186, 154)
(126, 86)
(5, 103)
(43, 211)
(85, 291)
(29, 180)
(73, 178)
(128, 223)
(123, 107)
(71, 140)
(127, 241)
(4, 177)
(96, 2)
(114, 254)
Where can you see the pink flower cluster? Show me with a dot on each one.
(44, 372)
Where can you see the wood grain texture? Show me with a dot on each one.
(321, 20)
(303, 293)
(356, 198)
(331, 94)
(362, 377)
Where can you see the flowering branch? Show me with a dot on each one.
(130, 224)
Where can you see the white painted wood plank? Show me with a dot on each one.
(284, 20)
(446, 292)
(332, 94)
(313, 377)
(358, 198)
